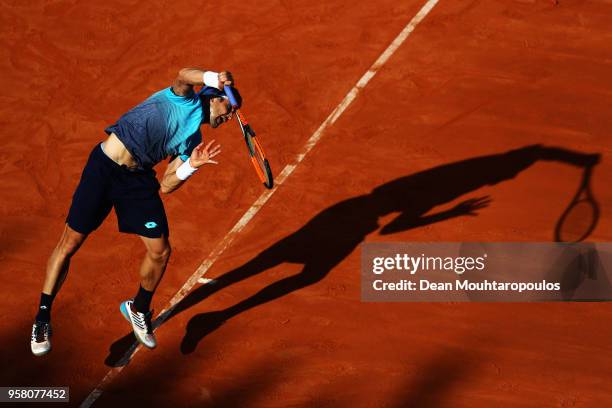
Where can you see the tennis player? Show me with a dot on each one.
(119, 173)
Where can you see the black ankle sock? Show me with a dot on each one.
(142, 301)
(44, 309)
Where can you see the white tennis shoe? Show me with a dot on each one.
(40, 342)
(141, 324)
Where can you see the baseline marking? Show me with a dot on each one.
(265, 196)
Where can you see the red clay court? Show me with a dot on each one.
(285, 326)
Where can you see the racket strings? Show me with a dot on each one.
(581, 216)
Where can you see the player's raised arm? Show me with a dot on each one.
(179, 171)
(187, 78)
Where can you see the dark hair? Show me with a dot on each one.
(208, 92)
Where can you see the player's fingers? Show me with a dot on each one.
(215, 153)
(212, 161)
(228, 78)
(201, 149)
(481, 200)
(210, 144)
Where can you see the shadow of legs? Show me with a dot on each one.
(205, 323)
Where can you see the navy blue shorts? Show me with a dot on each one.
(134, 194)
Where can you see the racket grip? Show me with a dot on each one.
(230, 95)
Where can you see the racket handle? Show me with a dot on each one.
(230, 95)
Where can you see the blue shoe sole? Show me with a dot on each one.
(124, 311)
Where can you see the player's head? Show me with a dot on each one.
(216, 105)
(220, 111)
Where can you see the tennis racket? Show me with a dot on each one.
(256, 152)
(580, 217)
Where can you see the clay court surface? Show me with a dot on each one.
(285, 327)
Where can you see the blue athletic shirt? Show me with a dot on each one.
(165, 124)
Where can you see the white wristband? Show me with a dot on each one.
(185, 171)
(211, 78)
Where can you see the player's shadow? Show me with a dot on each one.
(336, 231)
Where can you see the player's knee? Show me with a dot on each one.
(160, 254)
(69, 245)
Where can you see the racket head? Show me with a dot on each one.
(581, 216)
(256, 152)
(578, 221)
(260, 163)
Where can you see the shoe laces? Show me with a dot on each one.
(41, 332)
(143, 320)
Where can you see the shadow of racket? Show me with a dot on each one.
(582, 214)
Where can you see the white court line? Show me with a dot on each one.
(265, 196)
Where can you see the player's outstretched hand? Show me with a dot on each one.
(204, 154)
(469, 207)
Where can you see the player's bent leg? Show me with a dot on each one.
(59, 261)
(155, 261)
(57, 270)
(137, 311)
(140, 211)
